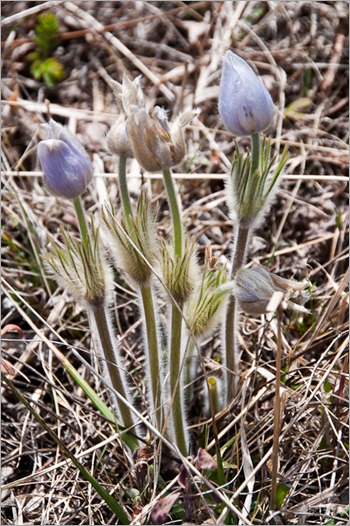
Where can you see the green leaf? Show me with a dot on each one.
(53, 71)
(327, 386)
(46, 31)
(281, 492)
(292, 111)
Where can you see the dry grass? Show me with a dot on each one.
(300, 49)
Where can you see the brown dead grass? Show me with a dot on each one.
(300, 49)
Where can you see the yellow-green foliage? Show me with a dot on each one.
(43, 65)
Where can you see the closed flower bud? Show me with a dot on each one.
(117, 138)
(66, 166)
(245, 105)
(255, 287)
(156, 144)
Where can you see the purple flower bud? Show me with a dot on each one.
(245, 105)
(66, 166)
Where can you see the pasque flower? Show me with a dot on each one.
(143, 134)
(254, 288)
(66, 165)
(245, 105)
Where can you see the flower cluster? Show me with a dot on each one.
(195, 298)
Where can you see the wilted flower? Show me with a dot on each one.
(66, 165)
(245, 105)
(255, 287)
(146, 135)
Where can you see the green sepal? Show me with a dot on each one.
(252, 180)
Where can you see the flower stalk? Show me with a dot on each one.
(83, 227)
(176, 326)
(230, 326)
(130, 246)
(106, 342)
(123, 188)
(153, 352)
(175, 212)
(176, 384)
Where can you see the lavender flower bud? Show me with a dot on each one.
(255, 287)
(66, 166)
(245, 105)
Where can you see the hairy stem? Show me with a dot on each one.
(151, 335)
(231, 351)
(123, 188)
(277, 413)
(176, 388)
(175, 212)
(174, 359)
(148, 318)
(83, 227)
(238, 260)
(108, 348)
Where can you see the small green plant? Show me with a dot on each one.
(43, 65)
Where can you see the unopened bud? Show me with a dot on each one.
(66, 166)
(156, 144)
(245, 105)
(255, 287)
(117, 138)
